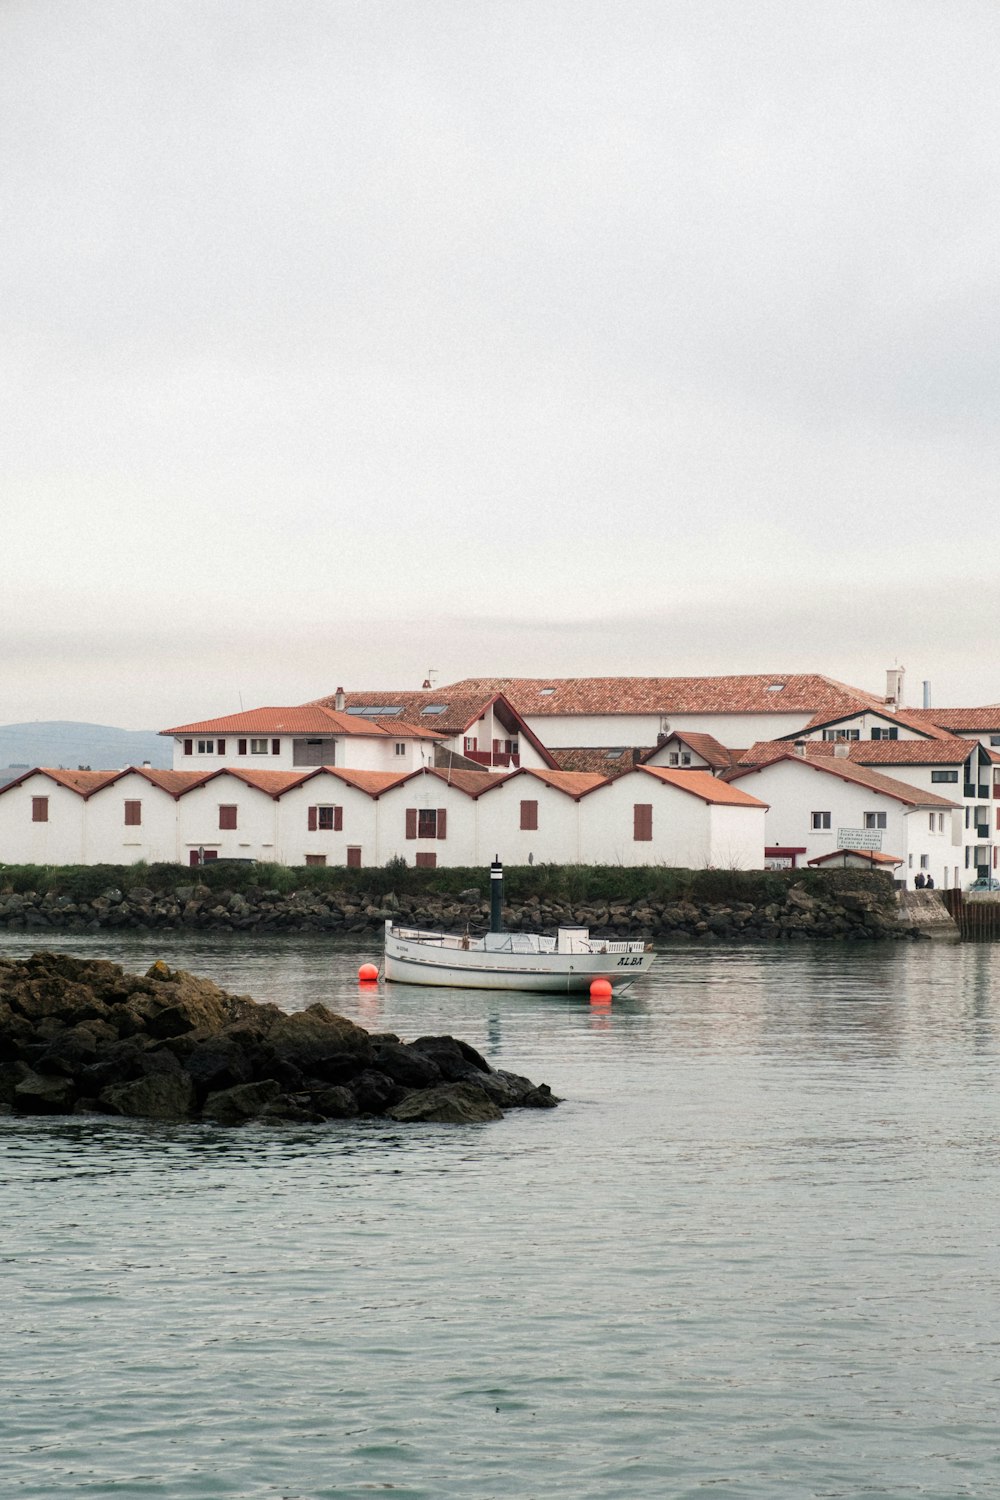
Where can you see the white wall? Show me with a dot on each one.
(356, 752)
(59, 841)
(360, 819)
(110, 841)
(681, 831)
(557, 838)
(255, 835)
(742, 730)
(460, 845)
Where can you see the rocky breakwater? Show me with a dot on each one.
(79, 1036)
(869, 911)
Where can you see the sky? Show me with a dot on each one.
(349, 341)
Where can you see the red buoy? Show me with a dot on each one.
(368, 973)
(600, 989)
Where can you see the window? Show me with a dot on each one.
(400, 747)
(941, 822)
(925, 860)
(885, 734)
(933, 825)
(227, 815)
(426, 823)
(820, 821)
(189, 747)
(425, 861)
(207, 747)
(673, 759)
(275, 747)
(314, 752)
(875, 819)
(241, 747)
(39, 809)
(529, 816)
(995, 739)
(315, 859)
(471, 744)
(841, 734)
(258, 747)
(133, 814)
(685, 758)
(944, 776)
(325, 819)
(642, 821)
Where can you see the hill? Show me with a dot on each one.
(63, 742)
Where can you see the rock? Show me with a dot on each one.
(164, 1096)
(448, 1104)
(233, 1106)
(44, 1093)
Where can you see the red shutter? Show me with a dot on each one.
(442, 823)
(354, 859)
(529, 815)
(227, 816)
(241, 747)
(133, 814)
(338, 819)
(222, 747)
(411, 822)
(189, 747)
(39, 809)
(312, 819)
(642, 813)
(425, 861)
(275, 747)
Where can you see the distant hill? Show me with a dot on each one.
(61, 742)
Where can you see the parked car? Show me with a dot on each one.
(985, 884)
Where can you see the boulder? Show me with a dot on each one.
(163, 1096)
(447, 1104)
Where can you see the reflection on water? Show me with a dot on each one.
(753, 1254)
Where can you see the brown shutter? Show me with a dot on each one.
(442, 823)
(338, 819)
(312, 819)
(275, 747)
(222, 747)
(529, 815)
(354, 859)
(241, 747)
(642, 813)
(227, 816)
(189, 747)
(39, 809)
(133, 814)
(411, 822)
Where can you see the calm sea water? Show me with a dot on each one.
(755, 1253)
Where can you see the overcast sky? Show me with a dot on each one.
(347, 339)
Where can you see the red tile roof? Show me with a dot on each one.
(873, 857)
(984, 720)
(771, 692)
(704, 785)
(574, 783)
(372, 782)
(907, 718)
(307, 718)
(600, 760)
(472, 783)
(704, 745)
(951, 751)
(459, 711)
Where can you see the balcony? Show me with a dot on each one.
(494, 758)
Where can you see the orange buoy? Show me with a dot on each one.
(600, 989)
(368, 973)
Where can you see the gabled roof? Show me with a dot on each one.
(307, 718)
(472, 783)
(704, 745)
(84, 783)
(845, 770)
(271, 782)
(704, 785)
(444, 711)
(374, 783)
(951, 751)
(904, 717)
(574, 783)
(763, 692)
(870, 856)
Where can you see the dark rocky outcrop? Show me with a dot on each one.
(824, 911)
(81, 1035)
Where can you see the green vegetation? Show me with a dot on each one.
(572, 883)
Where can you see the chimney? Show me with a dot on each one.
(426, 683)
(147, 765)
(841, 749)
(927, 694)
(894, 687)
(800, 748)
(338, 701)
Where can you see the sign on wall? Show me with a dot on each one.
(859, 838)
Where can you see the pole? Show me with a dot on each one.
(496, 895)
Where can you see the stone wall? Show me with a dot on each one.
(799, 913)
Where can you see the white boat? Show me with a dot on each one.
(570, 961)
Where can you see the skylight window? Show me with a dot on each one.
(434, 708)
(776, 687)
(374, 710)
(614, 754)
(545, 692)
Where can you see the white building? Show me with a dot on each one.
(299, 738)
(822, 805)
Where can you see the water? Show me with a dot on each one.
(753, 1254)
